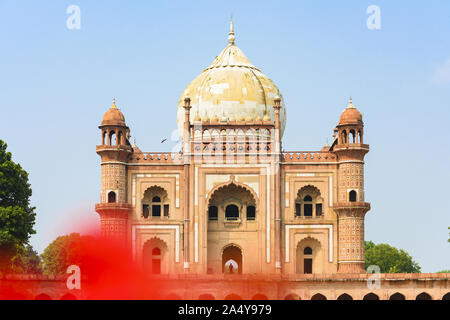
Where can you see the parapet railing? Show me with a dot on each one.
(308, 156)
(286, 156)
(162, 157)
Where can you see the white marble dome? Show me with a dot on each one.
(231, 88)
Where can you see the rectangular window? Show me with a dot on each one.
(318, 209)
(145, 210)
(307, 266)
(297, 210)
(156, 210)
(308, 210)
(251, 213)
(212, 213)
(166, 210)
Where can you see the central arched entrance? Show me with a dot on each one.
(232, 260)
(232, 225)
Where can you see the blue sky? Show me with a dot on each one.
(56, 84)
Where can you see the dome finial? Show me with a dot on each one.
(113, 106)
(350, 103)
(231, 37)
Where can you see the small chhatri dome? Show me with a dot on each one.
(232, 88)
(113, 116)
(350, 115)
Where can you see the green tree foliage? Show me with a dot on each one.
(17, 217)
(27, 261)
(389, 259)
(443, 271)
(63, 252)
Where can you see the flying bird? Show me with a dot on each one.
(163, 140)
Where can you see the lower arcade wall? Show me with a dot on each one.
(397, 286)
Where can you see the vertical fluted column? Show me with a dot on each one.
(277, 173)
(186, 159)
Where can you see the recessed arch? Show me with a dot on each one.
(446, 296)
(206, 296)
(318, 296)
(43, 296)
(173, 296)
(353, 136)
(68, 296)
(371, 296)
(397, 296)
(260, 296)
(309, 256)
(292, 296)
(224, 186)
(155, 260)
(233, 296)
(232, 259)
(112, 138)
(423, 296)
(345, 296)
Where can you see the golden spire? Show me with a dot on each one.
(350, 103)
(231, 37)
(114, 103)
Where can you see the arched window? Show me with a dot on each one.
(353, 135)
(251, 213)
(155, 202)
(352, 196)
(307, 250)
(111, 197)
(232, 212)
(308, 203)
(112, 138)
(156, 251)
(213, 213)
(344, 137)
(120, 138)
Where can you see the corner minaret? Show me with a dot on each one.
(114, 151)
(350, 205)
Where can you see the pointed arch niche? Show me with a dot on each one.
(155, 256)
(309, 256)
